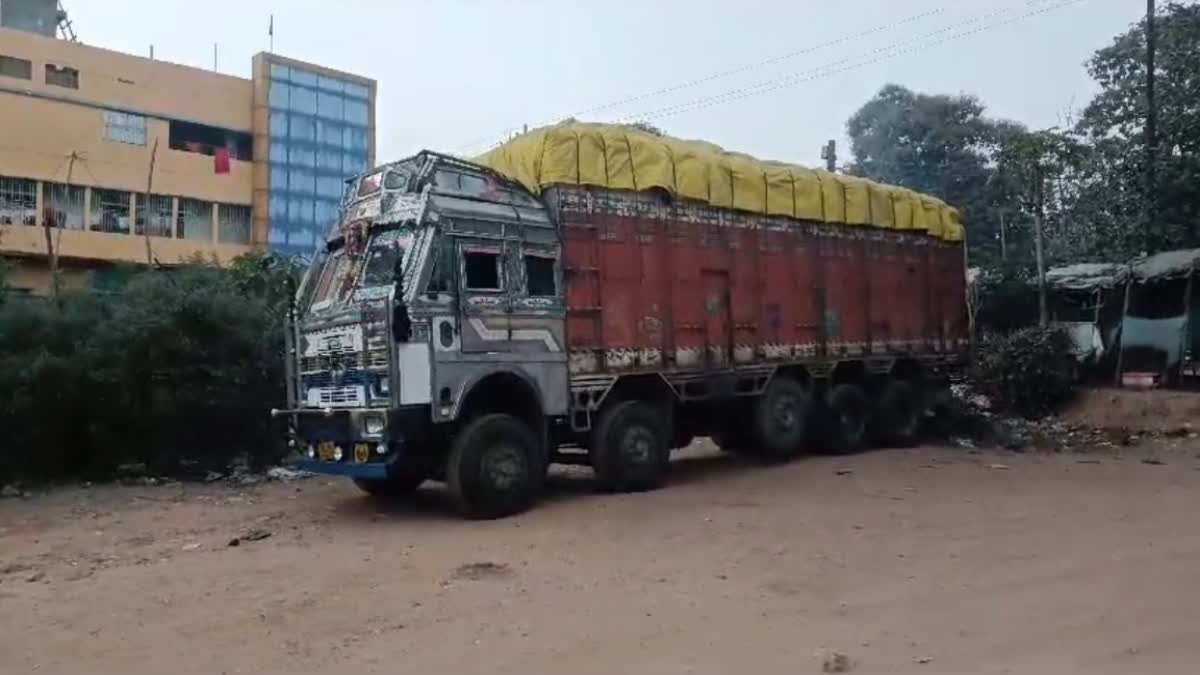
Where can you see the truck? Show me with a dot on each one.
(602, 295)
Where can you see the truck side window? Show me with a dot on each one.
(539, 276)
(483, 271)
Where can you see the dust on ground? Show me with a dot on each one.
(932, 560)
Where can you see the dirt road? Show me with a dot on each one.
(922, 561)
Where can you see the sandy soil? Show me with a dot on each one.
(923, 561)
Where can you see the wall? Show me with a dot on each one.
(147, 87)
(38, 137)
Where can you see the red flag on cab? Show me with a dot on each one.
(221, 160)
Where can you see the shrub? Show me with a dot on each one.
(174, 370)
(1029, 372)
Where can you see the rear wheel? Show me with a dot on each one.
(847, 419)
(496, 467)
(629, 450)
(898, 416)
(780, 422)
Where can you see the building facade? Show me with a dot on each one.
(125, 159)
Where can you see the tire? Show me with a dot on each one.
(399, 485)
(628, 449)
(496, 467)
(781, 418)
(847, 420)
(899, 414)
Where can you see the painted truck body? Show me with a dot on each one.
(459, 328)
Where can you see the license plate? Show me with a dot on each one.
(325, 451)
(362, 453)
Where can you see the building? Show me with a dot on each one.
(104, 147)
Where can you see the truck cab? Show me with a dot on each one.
(427, 338)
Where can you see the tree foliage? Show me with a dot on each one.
(1088, 182)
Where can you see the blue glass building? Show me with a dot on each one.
(320, 131)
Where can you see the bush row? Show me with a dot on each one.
(176, 371)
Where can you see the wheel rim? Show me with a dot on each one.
(785, 413)
(851, 422)
(504, 466)
(637, 445)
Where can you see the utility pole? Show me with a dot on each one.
(52, 246)
(1003, 239)
(1151, 127)
(829, 154)
(146, 205)
(1039, 246)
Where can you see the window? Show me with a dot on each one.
(110, 211)
(539, 276)
(483, 270)
(439, 275)
(159, 208)
(124, 128)
(234, 224)
(18, 201)
(194, 221)
(10, 66)
(62, 76)
(63, 205)
(203, 139)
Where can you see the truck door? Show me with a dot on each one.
(485, 298)
(718, 328)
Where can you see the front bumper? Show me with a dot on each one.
(405, 430)
(369, 471)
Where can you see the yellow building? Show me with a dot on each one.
(103, 147)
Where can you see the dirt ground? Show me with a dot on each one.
(932, 560)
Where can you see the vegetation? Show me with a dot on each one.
(1028, 372)
(1088, 180)
(175, 371)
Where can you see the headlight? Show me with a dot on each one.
(312, 452)
(337, 454)
(373, 425)
(383, 386)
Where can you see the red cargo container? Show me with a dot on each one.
(677, 287)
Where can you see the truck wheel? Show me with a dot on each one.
(398, 485)
(780, 419)
(846, 424)
(899, 414)
(629, 450)
(495, 467)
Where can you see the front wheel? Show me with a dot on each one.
(496, 467)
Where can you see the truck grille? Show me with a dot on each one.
(346, 396)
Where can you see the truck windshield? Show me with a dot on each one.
(351, 276)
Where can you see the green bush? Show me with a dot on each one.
(175, 370)
(1029, 372)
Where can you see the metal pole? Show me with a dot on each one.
(1121, 334)
(1151, 127)
(146, 205)
(1003, 239)
(1043, 316)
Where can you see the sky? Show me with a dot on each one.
(772, 78)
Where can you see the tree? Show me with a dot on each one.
(1114, 125)
(940, 145)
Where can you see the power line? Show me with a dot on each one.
(845, 65)
(688, 84)
(490, 140)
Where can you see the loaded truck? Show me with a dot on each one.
(602, 295)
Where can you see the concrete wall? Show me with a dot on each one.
(116, 80)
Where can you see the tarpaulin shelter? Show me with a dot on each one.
(1160, 326)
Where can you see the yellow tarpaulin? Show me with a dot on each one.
(628, 158)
